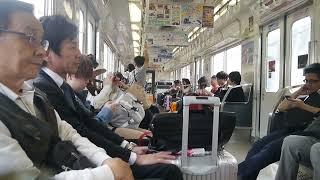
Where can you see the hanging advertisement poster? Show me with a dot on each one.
(179, 38)
(175, 16)
(159, 13)
(160, 52)
(191, 14)
(247, 53)
(208, 14)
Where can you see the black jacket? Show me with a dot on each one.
(81, 120)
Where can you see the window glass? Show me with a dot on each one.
(81, 30)
(198, 70)
(105, 57)
(185, 72)
(273, 61)
(217, 64)
(234, 59)
(38, 7)
(90, 38)
(301, 31)
(49, 7)
(98, 46)
(121, 67)
(202, 67)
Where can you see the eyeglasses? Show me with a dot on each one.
(32, 40)
(310, 81)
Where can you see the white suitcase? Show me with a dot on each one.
(222, 166)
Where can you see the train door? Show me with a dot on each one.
(272, 69)
(285, 49)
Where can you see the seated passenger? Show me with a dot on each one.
(214, 84)
(222, 78)
(236, 94)
(78, 82)
(175, 87)
(268, 149)
(115, 114)
(98, 70)
(63, 58)
(128, 74)
(186, 86)
(202, 84)
(30, 129)
(303, 148)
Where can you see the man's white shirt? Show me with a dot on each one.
(13, 158)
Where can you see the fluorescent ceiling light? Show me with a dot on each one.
(136, 44)
(135, 12)
(136, 50)
(135, 27)
(135, 36)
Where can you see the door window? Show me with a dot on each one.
(273, 61)
(301, 31)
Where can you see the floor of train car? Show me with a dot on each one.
(239, 145)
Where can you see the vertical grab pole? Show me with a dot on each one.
(185, 132)
(215, 134)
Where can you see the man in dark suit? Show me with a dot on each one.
(63, 58)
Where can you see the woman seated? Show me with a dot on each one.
(125, 109)
(236, 94)
(202, 84)
(186, 86)
(214, 84)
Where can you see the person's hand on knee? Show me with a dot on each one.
(121, 170)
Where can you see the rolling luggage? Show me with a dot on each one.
(167, 129)
(211, 165)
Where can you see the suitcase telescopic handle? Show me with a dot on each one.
(187, 100)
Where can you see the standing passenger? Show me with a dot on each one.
(139, 74)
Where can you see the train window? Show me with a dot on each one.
(301, 31)
(38, 7)
(172, 77)
(81, 29)
(234, 59)
(273, 61)
(198, 69)
(108, 58)
(121, 67)
(202, 67)
(217, 63)
(98, 45)
(176, 75)
(49, 7)
(90, 38)
(185, 72)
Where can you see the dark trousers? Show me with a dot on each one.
(157, 171)
(262, 153)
